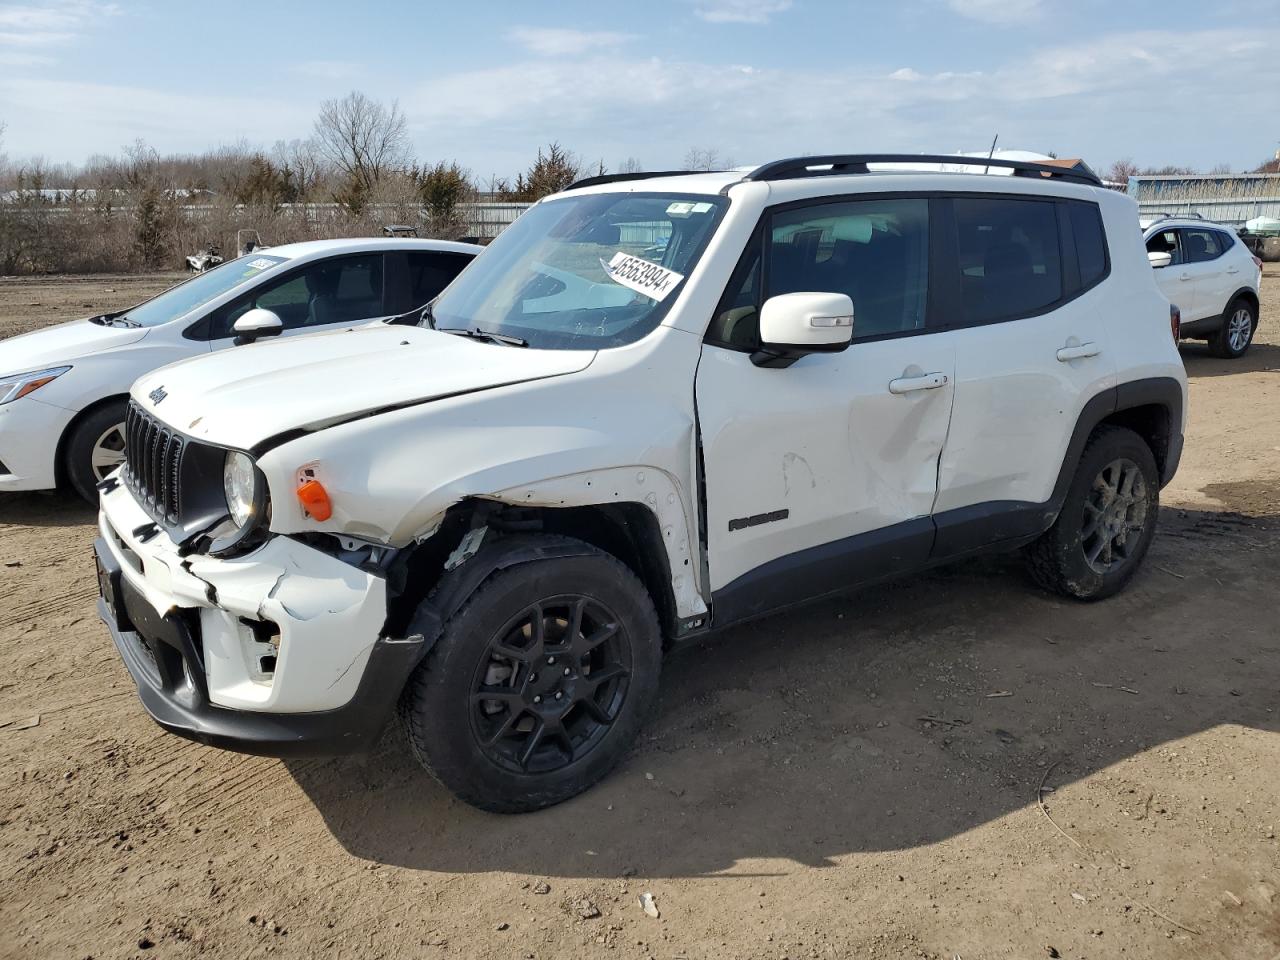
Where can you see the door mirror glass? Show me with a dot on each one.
(793, 324)
(1160, 258)
(256, 324)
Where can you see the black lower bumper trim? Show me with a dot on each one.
(176, 698)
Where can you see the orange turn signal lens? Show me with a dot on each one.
(315, 500)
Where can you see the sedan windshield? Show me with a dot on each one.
(199, 290)
(584, 272)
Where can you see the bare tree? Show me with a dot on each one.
(1121, 171)
(631, 165)
(362, 138)
(302, 159)
(706, 158)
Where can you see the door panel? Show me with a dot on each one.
(820, 451)
(822, 474)
(1174, 281)
(1020, 383)
(1205, 263)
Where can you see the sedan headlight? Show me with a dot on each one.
(240, 485)
(20, 384)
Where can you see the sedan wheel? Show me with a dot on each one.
(108, 451)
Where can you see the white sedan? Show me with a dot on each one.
(63, 389)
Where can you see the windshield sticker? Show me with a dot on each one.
(262, 263)
(683, 209)
(643, 276)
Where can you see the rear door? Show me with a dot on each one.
(823, 474)
(1031, 349)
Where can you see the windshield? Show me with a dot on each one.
(584, 272)
(199, 290)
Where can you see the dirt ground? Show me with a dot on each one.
(858, 779)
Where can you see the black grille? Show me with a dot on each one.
(153, 462)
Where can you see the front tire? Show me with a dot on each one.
(1233, 338)
(1107, 520)
(538, 684)
(95, 448)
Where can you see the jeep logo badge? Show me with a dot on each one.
(157, 395)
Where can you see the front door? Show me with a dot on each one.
(1174, 281)
(822, 474)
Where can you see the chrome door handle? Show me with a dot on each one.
(1079, 352)
(929, 381)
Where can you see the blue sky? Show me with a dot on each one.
(487, 82)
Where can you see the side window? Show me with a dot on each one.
(875, 251)
(1010, 257)
(1200, 246)
(1166, 241)
(1091, 241)
(430, 272)
(1226, 240)
(341, 290)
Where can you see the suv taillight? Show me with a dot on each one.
(1175, 322)
(1257, 262)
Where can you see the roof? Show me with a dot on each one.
(1031, 167)
(310, 248)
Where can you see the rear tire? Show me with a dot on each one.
(1233, 338)
(538, 684)
(1107, 520)
(95, 448)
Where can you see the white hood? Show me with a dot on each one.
(241, 396)
(61, 344)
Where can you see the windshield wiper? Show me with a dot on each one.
(477, 334)
(122, 320)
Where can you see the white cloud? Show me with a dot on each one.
(1103, 99)
(998, 11)
(739, 11)
(564, 42)
(51, 23)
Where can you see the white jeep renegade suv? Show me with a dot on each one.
(656, 406)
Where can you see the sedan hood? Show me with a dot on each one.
(242, 396)
(61, 344)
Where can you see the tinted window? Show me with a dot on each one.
(1201, 245)
(1226, 240)
(875, 251)
(1091, 242)
(341, 290)
(1010, 258)
(429, 273)
(1166, 241)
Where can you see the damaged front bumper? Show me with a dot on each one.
(276, 652)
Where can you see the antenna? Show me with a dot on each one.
(992, 152)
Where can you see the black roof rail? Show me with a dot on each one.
(624, 177)
(840, 164)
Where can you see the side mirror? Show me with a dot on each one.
(256, 324)
(1160, 258)
(793, 324)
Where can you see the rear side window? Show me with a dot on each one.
(1010, 257)
(1090, 240)
(1226, 240)
(1201, 245)
(430, 272)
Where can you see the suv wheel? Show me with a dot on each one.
(1236, 333)
(95, 448)
(538, 684)
(1106, 523)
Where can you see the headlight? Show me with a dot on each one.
(240, 484)
(20, 384)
